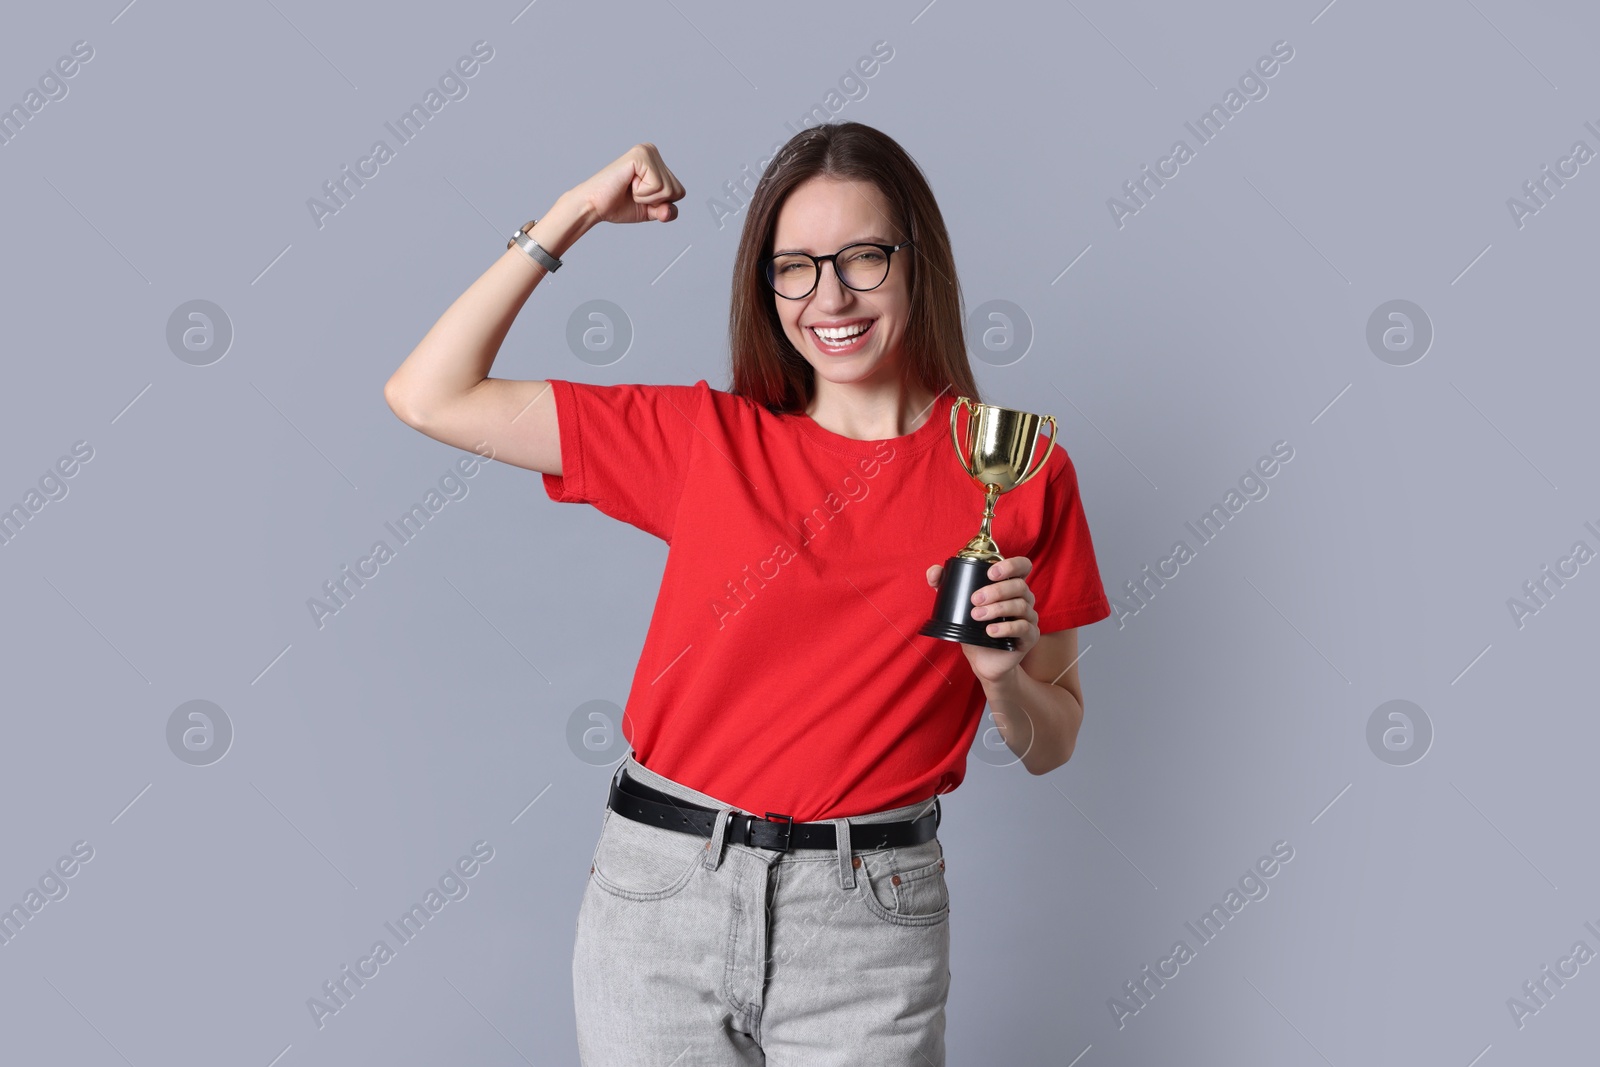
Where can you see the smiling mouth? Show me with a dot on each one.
(854, 337)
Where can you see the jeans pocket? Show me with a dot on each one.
(637, 861)
(905, 885)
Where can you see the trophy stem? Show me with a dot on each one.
(982, 546)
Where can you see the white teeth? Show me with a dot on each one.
(840, 333)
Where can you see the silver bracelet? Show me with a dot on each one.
(521, 239)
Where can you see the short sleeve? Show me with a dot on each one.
(625, 449)
(1065, 578)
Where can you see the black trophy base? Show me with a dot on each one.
(952, 609)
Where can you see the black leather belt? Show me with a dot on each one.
(637, 801)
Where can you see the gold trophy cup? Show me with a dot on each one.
(1001, 445)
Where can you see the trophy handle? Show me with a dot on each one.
(955, 438)
(1049, 447)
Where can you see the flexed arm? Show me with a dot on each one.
(443, 389)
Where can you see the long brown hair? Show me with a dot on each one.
(766, 368)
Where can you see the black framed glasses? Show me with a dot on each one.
(793, 275)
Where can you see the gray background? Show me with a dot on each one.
(1229, 713)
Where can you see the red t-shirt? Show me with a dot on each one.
(783, 670)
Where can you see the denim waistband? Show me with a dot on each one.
(640, 773)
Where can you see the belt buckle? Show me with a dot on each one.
(787, 834)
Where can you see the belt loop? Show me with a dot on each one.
(847, 867)
(616, 777)
(719, 828)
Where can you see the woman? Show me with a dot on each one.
(768, 886)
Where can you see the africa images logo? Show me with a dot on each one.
(811, 526)
(1207, 128)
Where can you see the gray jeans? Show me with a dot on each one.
(711, 953)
